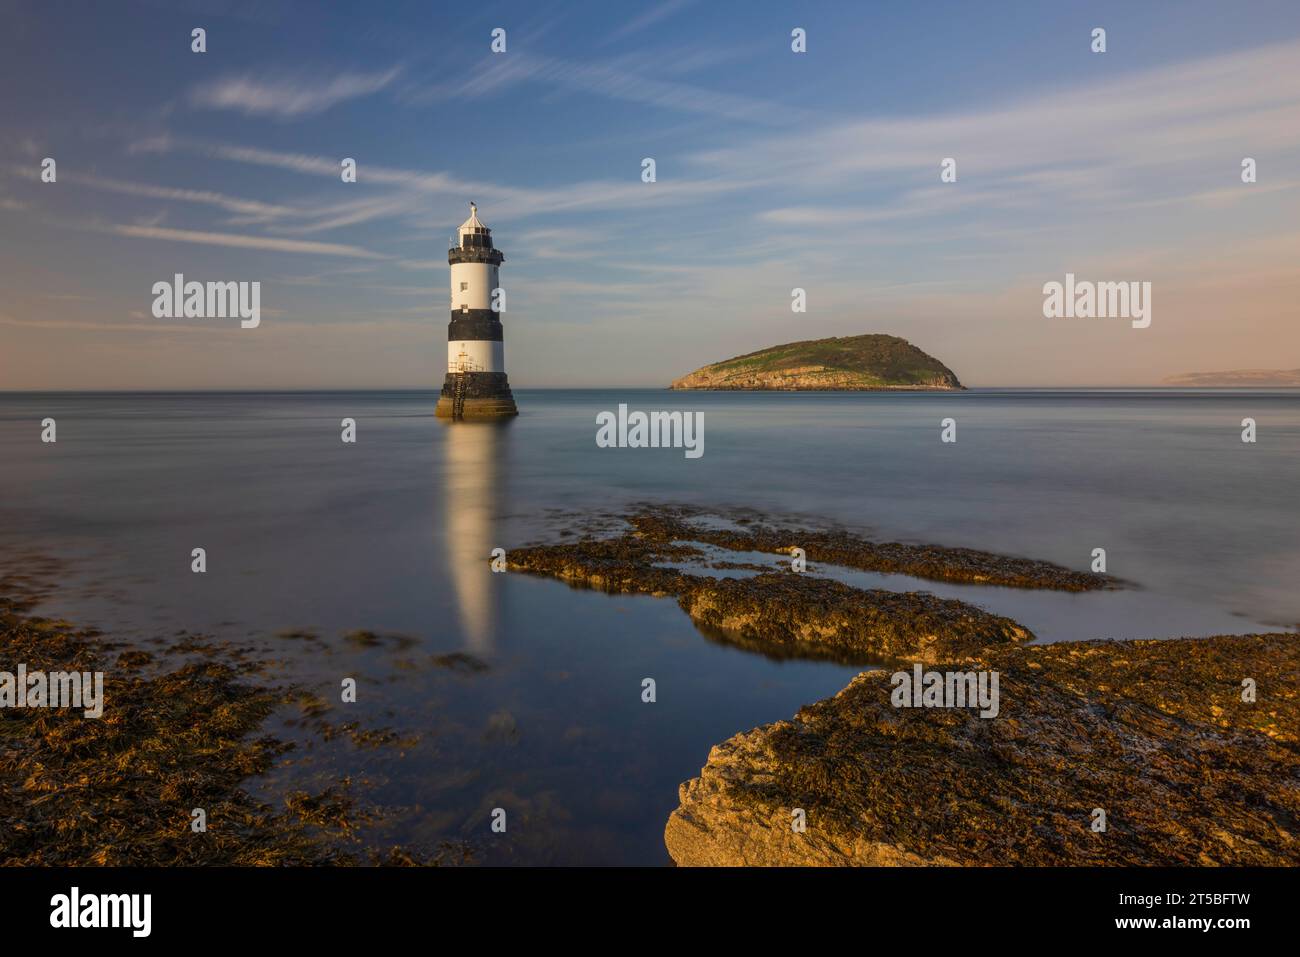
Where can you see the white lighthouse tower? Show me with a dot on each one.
(476, 386)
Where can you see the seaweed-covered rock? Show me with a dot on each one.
(838, 547)
(1153, 733)
(781, 614)
(823, 618)
(119, 790)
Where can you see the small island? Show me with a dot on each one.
(849, 363)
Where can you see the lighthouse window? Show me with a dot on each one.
(464, 286)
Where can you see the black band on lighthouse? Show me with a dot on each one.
(475, 324)
(462, 254)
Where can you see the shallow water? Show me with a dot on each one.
(392, 535)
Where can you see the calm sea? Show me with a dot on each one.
(305, 533)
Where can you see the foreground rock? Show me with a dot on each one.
(1152, 732)
(119, 790)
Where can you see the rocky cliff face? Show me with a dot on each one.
(843, 364)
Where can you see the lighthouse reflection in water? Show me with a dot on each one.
(471, 505)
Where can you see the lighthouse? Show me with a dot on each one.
(476, 386)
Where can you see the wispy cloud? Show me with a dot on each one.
(505, 200)
(652, 16)
(911, 205)
(338, 216)
(243, 242)
(286, 96)
(608, 80)
(233, 204)
(1172, 116)
(157, 143)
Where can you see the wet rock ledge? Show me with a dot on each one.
(837, 547)
(784, 614)
(779, 613)
(1154, 733)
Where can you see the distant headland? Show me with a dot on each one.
(849, 363)
(1241, 378)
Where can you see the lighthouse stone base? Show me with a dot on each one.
(487, 396)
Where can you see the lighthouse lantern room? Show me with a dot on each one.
(476, 386)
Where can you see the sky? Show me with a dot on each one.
(774, 170)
